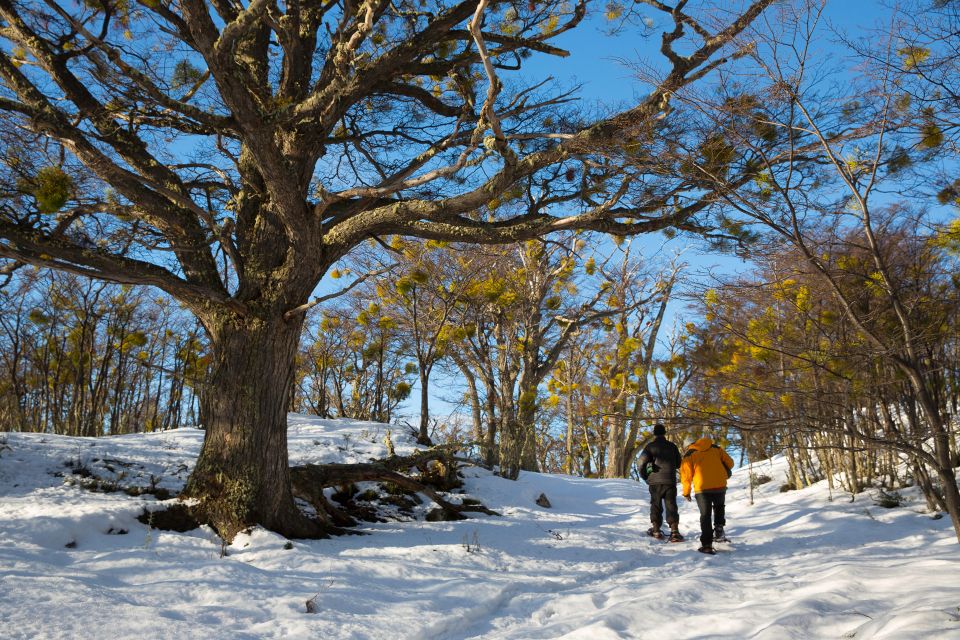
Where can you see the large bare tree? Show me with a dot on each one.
(230, 152)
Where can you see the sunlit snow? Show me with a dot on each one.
(78, 564)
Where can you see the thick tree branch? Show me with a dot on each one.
(59, 253)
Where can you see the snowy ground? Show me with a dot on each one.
(78, 564)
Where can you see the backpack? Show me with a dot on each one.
(729, 470)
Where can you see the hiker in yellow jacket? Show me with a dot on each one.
(706, 466)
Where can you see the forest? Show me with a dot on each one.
(366, 210)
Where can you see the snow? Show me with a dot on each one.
(78, 564)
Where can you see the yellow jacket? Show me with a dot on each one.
(705, 465)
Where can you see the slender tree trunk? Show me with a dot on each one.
(242, 476)
(951, 496)
(423, 437)
(934, 500)
(941, 448)
(615, 447)
(568, 457)
(475, 411)
(491, 456)
(526, 424)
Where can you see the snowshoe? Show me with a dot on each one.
(710, 551)
(655, 533)
(719, 535)
(675, 536)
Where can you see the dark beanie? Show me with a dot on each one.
(659, 430)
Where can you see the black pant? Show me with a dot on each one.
(663, 494)
(711, 505)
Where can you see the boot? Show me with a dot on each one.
(719, 536)
(707, 550)
(675, 533)
(655, 532)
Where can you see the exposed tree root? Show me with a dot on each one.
(437, 471)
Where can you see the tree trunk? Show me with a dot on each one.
(623, 447)
(242, 476)
(568, 457)
(423, 437)
(527, 409)
(491, 455)
(941, 447)
(934, 500)
(951, 497)
(475, 411)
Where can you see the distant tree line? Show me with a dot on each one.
(87, 358)
(551, 345)
(548, 347)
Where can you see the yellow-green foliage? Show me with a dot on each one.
(760, 332)
(913, 56)
(903, 102)
(950, 194)
(764, 130)
(948, 237)
(494, 290)
(628, 347)
(717, 155)
(405, 285)
(329, 323)
(931, 135)
(550, 24)
(527, 401)
(875, 283)
(51, 188)
(185, 75)
(803, 299)
(18, 55)
(401, 391)
(671, 366)
(133, 340)
(510, 26)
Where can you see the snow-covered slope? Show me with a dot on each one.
(78, 564)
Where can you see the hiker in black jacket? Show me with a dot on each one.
(658, 465)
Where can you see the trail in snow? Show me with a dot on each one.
(801, 566)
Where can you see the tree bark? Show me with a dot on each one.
(475, 411)
(616, 458)
(242, 476)
(423, 436)
(568, 455)
(941, 444)
(491, 455)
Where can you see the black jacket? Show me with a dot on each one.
(665, 457)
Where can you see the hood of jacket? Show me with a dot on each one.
(702, 444)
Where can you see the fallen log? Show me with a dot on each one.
(437, 471)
